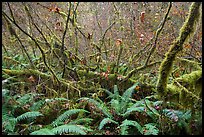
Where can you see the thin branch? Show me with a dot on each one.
(161, 26)
(40, 48)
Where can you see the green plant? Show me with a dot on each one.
(116, 112)
(63, 117)
(59, 126)
(150, 129)
(29, 115)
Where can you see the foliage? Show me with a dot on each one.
(29, 115)
(68, 128)
(105, 121)
(126, 123)
(71, 68)
(150, 129)
(43, 131)
(66, 115)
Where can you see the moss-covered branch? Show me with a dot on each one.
(185, 32)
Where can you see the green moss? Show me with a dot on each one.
(186, 31)
(190, 78)
(189, 26)
(173, 93)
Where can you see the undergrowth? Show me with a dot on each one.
(34, 114)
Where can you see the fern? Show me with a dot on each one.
(133, 109)
(44, 131)
(66, 115)
(25, 99)
(123, 130)
(178, 116)
(151, 111)
(105, 121)
(157, 103)
(110, 94)
(82, 121)
(99, 105)
(150, 129)
(37, 105)
(68, 129)
(61, 99)
(128, 93)
(27, 115)
(126, 98)
(8, 124)
(126, 123)
(115, 104)
(116, 92)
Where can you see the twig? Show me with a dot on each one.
(161, 25)
(40, 48)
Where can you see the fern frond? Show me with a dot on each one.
(25, 99)
(99, 105)
(128, 93)
(85, 128)
(8, 123)
(44, 131)
(61, 99)
(151, 111)
(27, 115)
(110, 94)
(157, 103)
(139, 103)
(115, 104)
(5, 92)
(133, 109)
(68, 129)
(123, 130)
(150, 129)
(186, 115)
(126, 123)
(126, 98)
(66, 115)
(37, 105)
(82, 121)
(105, 121)
(116, 92)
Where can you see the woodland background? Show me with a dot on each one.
(94, 68)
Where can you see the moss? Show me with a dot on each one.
(190, 78)
(189, 90)
(189, 26)
(172, 93)
(185, 32)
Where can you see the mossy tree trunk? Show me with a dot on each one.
(186, 31)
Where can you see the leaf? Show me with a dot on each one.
(131, 123)
(128, 93)
(132, 109)
(99, 105)
(106, 121)
(66, 115)
(9, 123)
(82, 121)
(44, 131)
(27, 115)
(68, 129)
(150, 129)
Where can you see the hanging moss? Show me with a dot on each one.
(185, 32)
